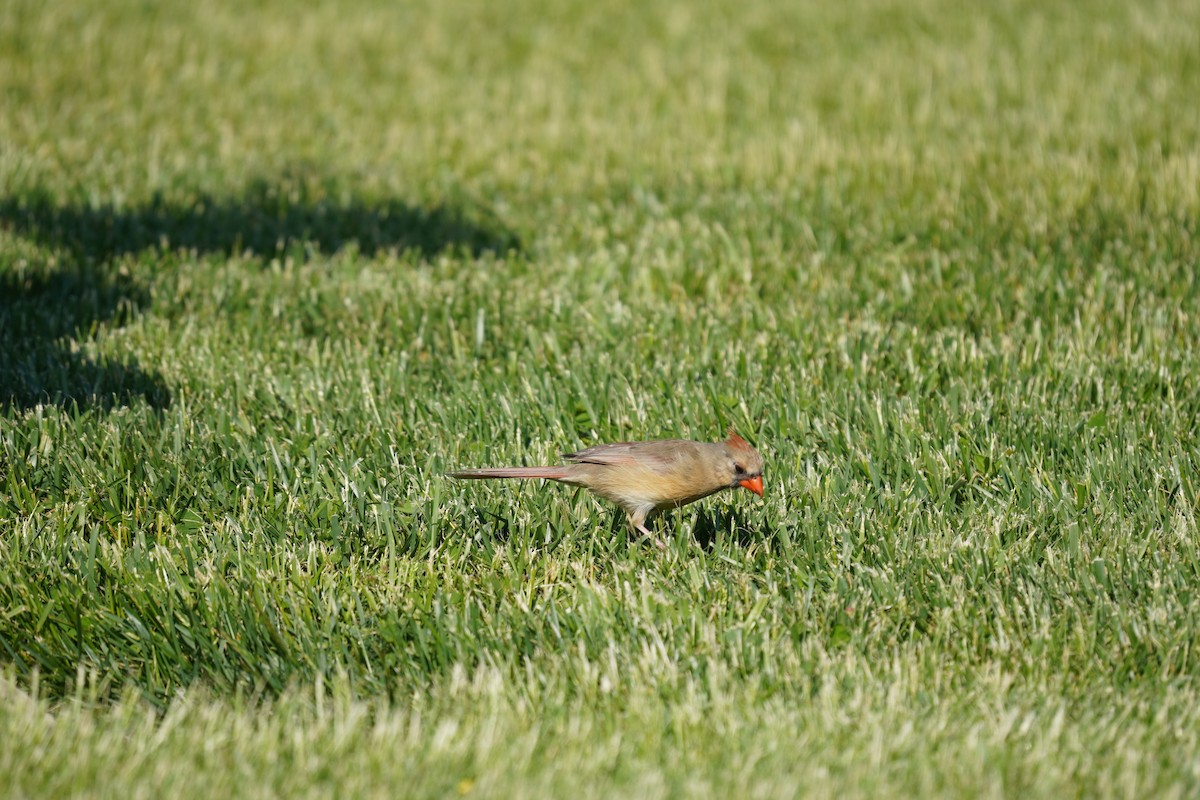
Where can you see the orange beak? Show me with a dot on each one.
(753, 484)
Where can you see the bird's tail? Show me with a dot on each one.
(549, 473)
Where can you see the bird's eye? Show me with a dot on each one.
(739, 468)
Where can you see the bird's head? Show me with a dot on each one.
(745, 464)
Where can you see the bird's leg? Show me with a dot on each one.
(637, 520)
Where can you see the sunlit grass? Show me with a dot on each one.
(266, 273)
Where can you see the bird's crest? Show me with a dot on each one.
(737, 442)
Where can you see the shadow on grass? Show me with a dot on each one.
(267, 220)
(710, 527)
(45, 314)
(42, 319)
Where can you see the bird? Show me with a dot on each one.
(644, 478)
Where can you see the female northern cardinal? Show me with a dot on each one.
(647, 477)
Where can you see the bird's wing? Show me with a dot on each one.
(645, 454)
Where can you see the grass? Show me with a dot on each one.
(265, 273)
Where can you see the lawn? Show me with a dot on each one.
(268, 270)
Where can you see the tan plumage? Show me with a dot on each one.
(647, 477)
